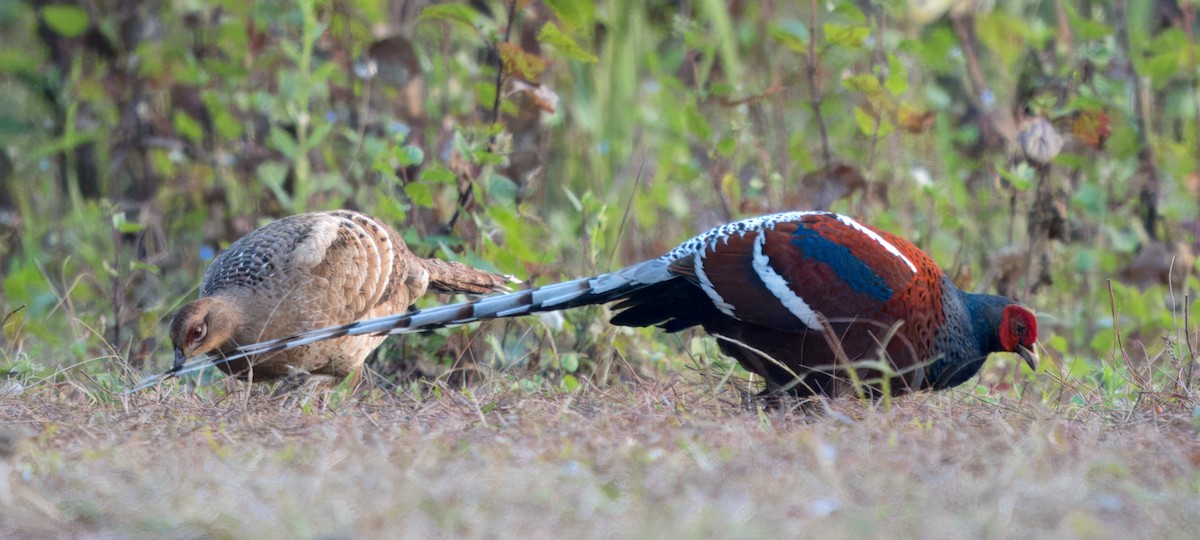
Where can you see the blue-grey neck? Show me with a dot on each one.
(971, 332)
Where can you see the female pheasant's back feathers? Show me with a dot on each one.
(311, 271)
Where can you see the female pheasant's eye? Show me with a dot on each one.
(197, 334)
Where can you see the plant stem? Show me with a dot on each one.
(1148, 194)
(810, 71)
(465, 192)
(303, 118)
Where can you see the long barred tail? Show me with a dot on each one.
(580, 292)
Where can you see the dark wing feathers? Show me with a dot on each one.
(728, 267)
(782, 274)
(673, 305)
(253, 260)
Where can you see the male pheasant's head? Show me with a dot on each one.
(1018, 333)
(202, 326)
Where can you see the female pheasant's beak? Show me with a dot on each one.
(1030, 357)
(180, 359)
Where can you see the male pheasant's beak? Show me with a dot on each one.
(180, 359)
(1030, 357)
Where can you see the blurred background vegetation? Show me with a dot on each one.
(1036, 148)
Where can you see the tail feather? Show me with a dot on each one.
(455, 277)
(580, 292)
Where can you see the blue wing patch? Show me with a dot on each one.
(851, 269)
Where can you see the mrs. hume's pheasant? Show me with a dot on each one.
(792, 296)
(306, 272)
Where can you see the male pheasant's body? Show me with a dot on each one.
(791, 296)
(306, 272)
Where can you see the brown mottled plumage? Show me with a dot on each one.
(306, 272)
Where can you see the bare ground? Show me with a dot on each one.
(648, 460)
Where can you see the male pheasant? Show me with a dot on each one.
(792, 296)
(306, 272)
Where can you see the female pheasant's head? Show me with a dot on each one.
(202, 326)
(1018, 333)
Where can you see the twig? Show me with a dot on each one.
(881, 57)
(512, 11)
(362, 127)
(464, 194)
(975, 77)
(839, 353)
(810, 71)
(1137, 377)
(1065, 38)
(1187, 337)
(1148, 195)
(4, 322)
(1189, 22)
(116, 283)
(637, 184)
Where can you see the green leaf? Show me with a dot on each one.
(420, 194)
(318, 134)
(851, 37)
(388, 207)
(66, 21)
(1103, 341)
(1021, 177)
(227, 126)
(897, 77)
(792, 33)
(1003, 34)
(1123, 143)
(125, 226)
(485, 92)
(516, 234)
(12, 61)
(438, 174)
(569, 362)
(731, 190)
(272, 174)
(864, 83)
(282, 141)
(551, 35)
(502, 188)
(188, 127)
(456, 13)
(850, 12)
(520, 62)
(1085, 29)
(570, 383)
(867, 123)
(933, 51)
(726, 146)
(1169, 57)
(697, 124)
(576, 15)
(409, 155)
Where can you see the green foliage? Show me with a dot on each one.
(67, 21)
(640, 125)
(551, 35)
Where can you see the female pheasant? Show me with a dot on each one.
(306, 272)
(795, 297)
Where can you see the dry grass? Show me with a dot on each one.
(657, 460)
